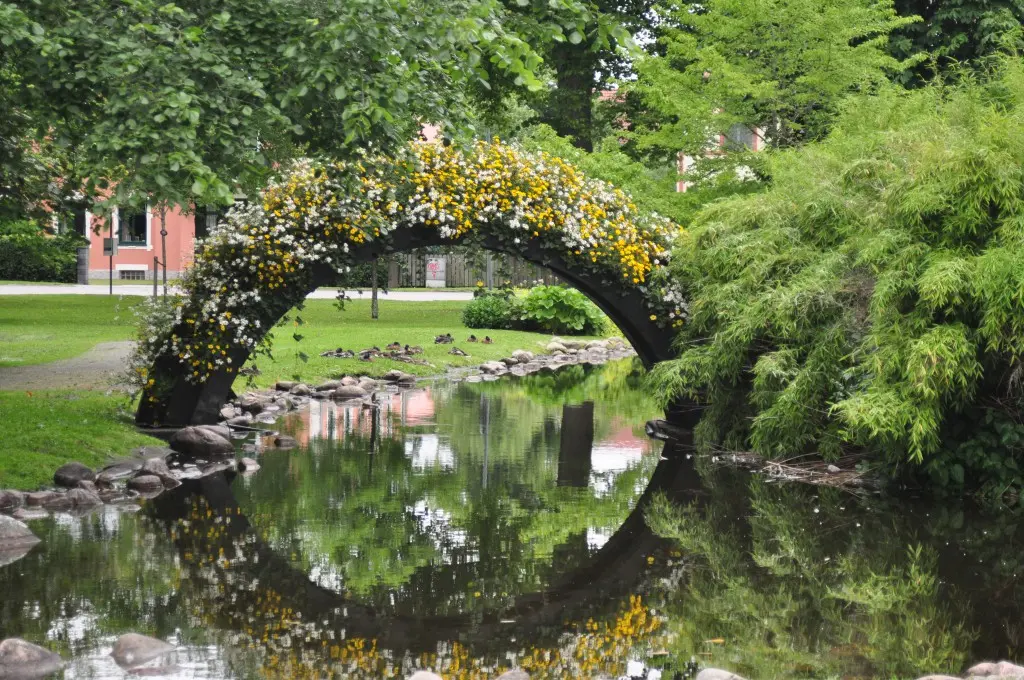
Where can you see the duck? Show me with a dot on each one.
(471, 338)
(487, 340)
(394, 347)
(457, 352)
(444, 339)
(415, 349)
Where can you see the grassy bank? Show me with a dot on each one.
(43, 430)
(412, 323)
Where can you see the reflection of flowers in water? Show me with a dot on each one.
(235, 596)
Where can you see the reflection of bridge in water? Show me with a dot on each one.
(258, 592)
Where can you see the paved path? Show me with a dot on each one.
(96, 369)
(319, 294)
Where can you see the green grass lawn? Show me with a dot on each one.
(36, 329)
(43, 430)
(412, 323)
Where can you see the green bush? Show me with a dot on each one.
(873, 298)
(563, 311)
(491, 311)
(28, 254)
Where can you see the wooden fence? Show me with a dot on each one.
(409, 270)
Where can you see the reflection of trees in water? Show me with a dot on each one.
(804, 582)
(467, 536)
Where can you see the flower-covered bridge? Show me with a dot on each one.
(321, 218)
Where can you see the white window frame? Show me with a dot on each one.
(149, 231)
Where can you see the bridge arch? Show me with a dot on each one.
(322, 217)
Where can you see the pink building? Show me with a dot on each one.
(138, 241)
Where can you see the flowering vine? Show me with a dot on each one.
(315, 216)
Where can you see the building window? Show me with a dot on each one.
(131, 229)
(132, 274)
(740, 136)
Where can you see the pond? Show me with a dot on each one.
(474, 527)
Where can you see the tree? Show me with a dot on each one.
(780, 66)
(871, 298)
(187, 103)
(953, 32)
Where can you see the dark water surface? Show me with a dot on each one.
(470, 528)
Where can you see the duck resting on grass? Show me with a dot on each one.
(445, 339)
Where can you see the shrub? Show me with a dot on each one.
(27, 254)
(872, 298)
(564, 311)
(491, 311)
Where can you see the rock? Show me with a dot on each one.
(29, 514)
(349, 392)
(367, 384)
(474, 379)
(510, 361)
(83, 498)
(394, 375)
(493, 367)
(285, 385)
(248, 465)
(14, 534)
(597, 344)
(522, 356)
(1003, 669)
(133, 650)
(555, 348)
(222, 430)
(716, 674)
(244, 420)
(152, 452)
(11, 500)
(329, 386)
(227, 412)
(35, 498)
(146, 484)
(23, 660)
(301, 390)
(200, 441)
(349, 381)
(514, 674)
(58, 502)
(832, 469)
(424, 675)
(574, 344)
(250, 404)
(87, 485)
(283, 441)
(532, 366)
(155, 466)
(938, 677)
(70, 474)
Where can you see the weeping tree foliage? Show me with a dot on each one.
(874, 295)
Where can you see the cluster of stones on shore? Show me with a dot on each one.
(135, 653)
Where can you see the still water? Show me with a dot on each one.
(473, 527)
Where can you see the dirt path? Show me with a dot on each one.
(96, 369)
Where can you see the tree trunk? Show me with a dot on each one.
(374, 311)
(163, 243)
(570, 111)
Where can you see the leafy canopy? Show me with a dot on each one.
(779, 65)
(874, 295)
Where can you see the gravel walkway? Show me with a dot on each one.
(97, 368)
(319, 294)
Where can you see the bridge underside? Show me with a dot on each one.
(186, 403)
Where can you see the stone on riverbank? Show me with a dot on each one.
(70, 474)
(988, 669)
(555, 348)
(300, 390)
(346, 392)
(133, 650)
(522, 356)
(717, 674)
(146, 484)
(23, 660)
(83, 498)
(285, 385)
(200, 442)
(14, 534)
(11, 500)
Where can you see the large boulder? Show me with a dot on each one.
(70, 474)
(555, 348)
(132, 650)
(23, 660)
(367, 384)
(988, 669)
(348, 381)
(120, 470)
(285, 385)
(346, 392)
(300, 390)
(250, 404)
(16, 540)
(83, 498)
(493, 367)
(201, 442)
(11, 500)
(330, 385)
(146, 484)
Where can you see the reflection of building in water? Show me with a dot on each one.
(326, 419)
